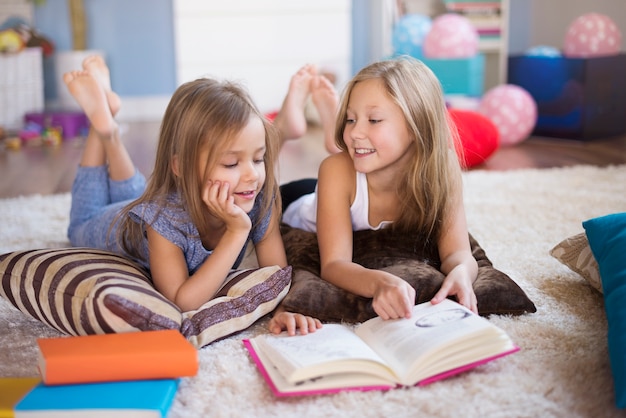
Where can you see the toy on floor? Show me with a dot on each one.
(9, 141)
(31, 134)
(13, 143)
(52, 136)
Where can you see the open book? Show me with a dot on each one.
(438, 341)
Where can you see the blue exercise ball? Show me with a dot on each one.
(409, 33)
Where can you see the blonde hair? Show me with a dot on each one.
(204, 114)
(432, 175)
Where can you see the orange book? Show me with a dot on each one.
(116, 357)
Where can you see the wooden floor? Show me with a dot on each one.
(48, 170)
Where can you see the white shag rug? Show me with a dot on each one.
(562, 369)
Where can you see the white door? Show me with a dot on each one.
(261, 43)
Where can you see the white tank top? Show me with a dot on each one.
(302, 213)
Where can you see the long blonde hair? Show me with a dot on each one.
(431, 175)
(203, 114)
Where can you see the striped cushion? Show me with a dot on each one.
(81, 291)
(575, 253)
(247, 296)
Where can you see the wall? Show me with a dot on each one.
(372, 24)
(152, 46)
(137, 39)
(15, 8)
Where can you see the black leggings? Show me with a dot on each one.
(290, 192)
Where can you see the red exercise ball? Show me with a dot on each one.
(478, 136)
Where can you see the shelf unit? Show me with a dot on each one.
(495, 50)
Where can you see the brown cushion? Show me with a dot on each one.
(399, 254)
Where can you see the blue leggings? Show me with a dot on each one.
(96, 201)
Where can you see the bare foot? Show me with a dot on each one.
(326, 101)
(95, 65)
(89, 94)
(290, 119)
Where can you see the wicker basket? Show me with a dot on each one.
(21, 86)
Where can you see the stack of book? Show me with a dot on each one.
(131, 374)
(486, 16)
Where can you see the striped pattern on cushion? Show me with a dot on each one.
(575, 253)
(247, 296)
(81, 291)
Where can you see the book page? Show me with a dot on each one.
(315, 386)
(330, 350)
(434, 333)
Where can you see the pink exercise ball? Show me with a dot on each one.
(513, 110)
(592, 35)
(451, 36)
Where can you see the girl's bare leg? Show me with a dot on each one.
(290, 120)
(326, 101)
(103, 142)
(93, 153)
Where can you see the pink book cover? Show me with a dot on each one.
(432, 379)
(467, 367)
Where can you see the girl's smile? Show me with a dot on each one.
(363, 151)
(247, 195)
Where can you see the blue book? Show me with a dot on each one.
(136, 398)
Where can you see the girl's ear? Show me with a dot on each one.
(175, 167)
